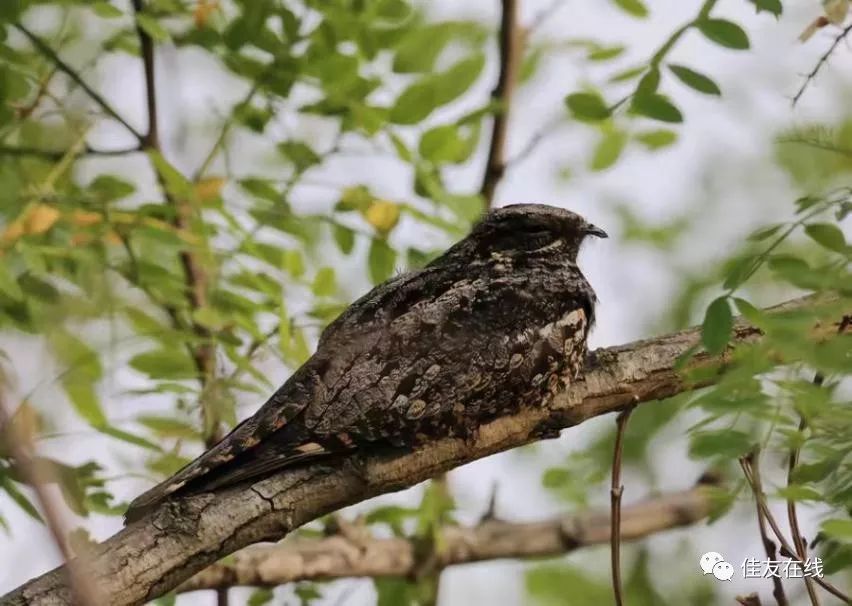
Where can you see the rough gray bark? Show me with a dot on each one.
(154, 555)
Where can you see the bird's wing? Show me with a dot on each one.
(237, 457)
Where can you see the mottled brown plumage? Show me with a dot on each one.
(496, 323)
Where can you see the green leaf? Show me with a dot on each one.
(109, 188)
(448, 143)
(649, 83)
(695, 80)
(764, 232)
(8, 284)
(657, 107)
(294, 263)
(795, 492)
(657, 139)
(717, 327)
(728, 443)
(169, 364)
(725, 33)
(827, 235)
(82, 371)
(418, 50)
(261, 188)
(300, 154)
(325, 284)
(432, 91)
(19, 498)
(752, 314)
(152, 27)
(608, 150)
(381, 260)
(169, 427)
(10, 10)
(587, 107)
(106, 10)
(549, 584)
(838, 529)
(814, 472)
(605, 53)
(344, 237)
(769, 6)
(633, 7)
(261, 596)
(177, 186)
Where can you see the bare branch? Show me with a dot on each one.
(511, 49)
(151, 138)
(813, 73)
(751, 469)
(157, 553)
(38, 477)
(202, 354)
(786, 548)
(792, 516)
(616, 491)
(339, 557)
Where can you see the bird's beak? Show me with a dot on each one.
(593, 230)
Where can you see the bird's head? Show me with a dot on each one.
(528, 228)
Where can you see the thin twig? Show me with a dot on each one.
(544, 15)
(510, 56)
(616, 491)
(792, 516)
(223, 134)
(151, 138)
(48, 52)
(751, 469)
(785, 546)
(37, 477)
(813, 73)
(533, 143)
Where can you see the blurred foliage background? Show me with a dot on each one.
(190, 190)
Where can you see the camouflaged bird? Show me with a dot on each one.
(497, 323)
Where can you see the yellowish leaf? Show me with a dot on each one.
(85, 218)
(203, 10)
(13, 231)
(813, 28)
(39, 218)
(383, 215)
(209, 188)
(836, 10)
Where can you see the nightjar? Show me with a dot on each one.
(496, 323)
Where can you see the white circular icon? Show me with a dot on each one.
(723, 571)
(709, 560)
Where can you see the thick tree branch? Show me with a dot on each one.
(511, 49)
(339, 557)
(156, 554)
